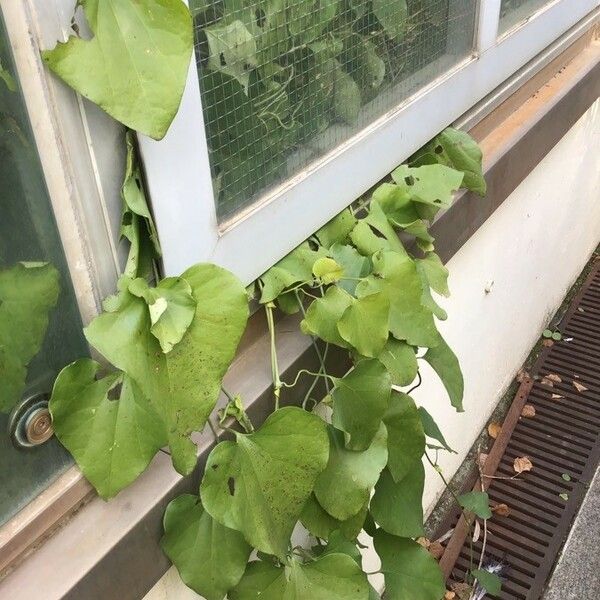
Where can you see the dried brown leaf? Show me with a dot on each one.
(547, 343)
(423, 541)
(501, 510)
(556, 396)
(522, 375)
(449, 595)
(436, 550)
(528, 411)
(554, 377)
(522, 464)
(462, 590)
(494, 429)
(579, 387)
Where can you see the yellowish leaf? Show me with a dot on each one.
(436, 550)
(579, 387)
(522, 464)
(528, 411)
(501, 510)
(494, 429)
(449, 595)
(547, 343)
(423, 541)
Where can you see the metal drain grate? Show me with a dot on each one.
(563, 443)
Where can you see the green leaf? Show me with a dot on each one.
(398, 278)
(395, 201)
(436, 274)
(445, 364)
(337, 230)
(321, 524)
(410, 571)
(490, 581)
(367, 242)
(458, 150)
(346, 96)
(8, 79)
(393, 16)
(332, 577)
(307, 19)
(344, 487)
(476, 502)
(406, 438)
(28, 292)
(171, 307)
(259, 484)
(137, 224)
(433, 185)
(354, 264)
(377, 219)
(338, 544)
(327, 270)
(360, 400)
(398, 507)
(323, 314)
(135, 67)
(112, 440)
(400, 360)
(296, 267)
(432, 430)
(210, 558)
(364, 324)
(184, 384)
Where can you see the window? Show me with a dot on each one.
(513, 12)
(295, 108)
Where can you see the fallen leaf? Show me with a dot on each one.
(579, 387)
(482, 458)
(449, 595)
(436, 550)
(547, 343)
(501, 510)
(522, 375)
(462, 590)
(566, 477)
(551, 379)
(564, 496)
(528, 411)
(494, 429)
(423, 541)
(522, 464)
(556, 396)
(476, 532)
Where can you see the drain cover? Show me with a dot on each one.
(562, 441)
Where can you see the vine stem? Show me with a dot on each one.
(300, 372)
(274, 364)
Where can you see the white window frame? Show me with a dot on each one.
(178, 171)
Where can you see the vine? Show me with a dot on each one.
(344, 465)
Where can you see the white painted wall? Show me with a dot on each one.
(532, 249)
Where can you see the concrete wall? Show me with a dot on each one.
(506, 282)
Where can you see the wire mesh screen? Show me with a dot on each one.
(516, 11)
(284, 82)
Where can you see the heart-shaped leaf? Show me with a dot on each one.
(321, 524)
(323, 315)
(400, 360)
(135, 67)
(398, 507)
(354, 264)
(446, 365)
(184, 384)
(332, 577)
(28, 291)
(112, 440)
(410, 571)
(476, 502)
(344, 487)
(337, 230)
(406, 438)
(209, 557)
(259, 484)
(360, 400)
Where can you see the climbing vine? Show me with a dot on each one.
(347, 463)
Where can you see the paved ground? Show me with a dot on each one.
(577, 573)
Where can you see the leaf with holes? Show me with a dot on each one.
(28, 292)
(397, 277)
(406, 438)
(364, 324)
(476, 502)
(360, 400)
(410, 571)
(344, 487)
(171, 307)
(432, 430)
(445, 364)
(398, 506)
(135, 67)
(184, 384)
(112, 440)
(458, 150)
(259, 484)
(332, 577)
(321, 524)
(209, 557)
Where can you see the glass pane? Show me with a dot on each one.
(516, 11)
(27, 233)
(286, 81)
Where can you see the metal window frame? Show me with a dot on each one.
(178, 172)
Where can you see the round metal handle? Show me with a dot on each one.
(30, 422)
